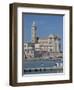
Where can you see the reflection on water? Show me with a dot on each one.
(42, 66)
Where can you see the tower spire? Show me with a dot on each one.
(33, 24)
(34, 28)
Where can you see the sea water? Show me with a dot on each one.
(42, 66)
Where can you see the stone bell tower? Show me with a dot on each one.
(34, 28)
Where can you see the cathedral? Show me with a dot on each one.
(46, 47)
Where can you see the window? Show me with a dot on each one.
(24, 45)
(50, 49)
(50, 42)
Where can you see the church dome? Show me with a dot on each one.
(51, 36)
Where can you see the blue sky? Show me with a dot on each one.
(46, 25)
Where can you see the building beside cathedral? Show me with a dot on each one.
(46, 47)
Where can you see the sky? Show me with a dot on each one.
(46, 25)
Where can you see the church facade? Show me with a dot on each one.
(46, 47)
